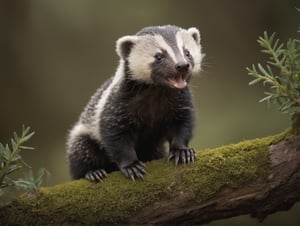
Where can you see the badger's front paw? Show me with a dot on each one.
(182, 155)
(135, 170)
(96, 175)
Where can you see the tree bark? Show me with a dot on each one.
(206, 191)
(264, 196)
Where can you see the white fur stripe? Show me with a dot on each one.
(179, 42)
(113, 86)
(185, 40)
(164, 45)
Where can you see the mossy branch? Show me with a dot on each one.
(252, 177)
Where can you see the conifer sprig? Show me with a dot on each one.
(10, 162)
(281, 72)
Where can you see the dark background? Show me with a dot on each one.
(55, 53)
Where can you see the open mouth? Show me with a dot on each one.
(178, 82)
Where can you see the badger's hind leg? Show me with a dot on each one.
(87, 159)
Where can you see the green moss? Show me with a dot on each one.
(82, 202)
(231, 165)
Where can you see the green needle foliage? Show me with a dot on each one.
(10, 162)
(281, 72)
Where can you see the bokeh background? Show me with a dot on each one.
(55, 53)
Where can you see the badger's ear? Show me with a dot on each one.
(124, 45)
(195, 34)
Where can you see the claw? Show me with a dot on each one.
(189, 156)
(183, 160)
(141, 164)
(135, 170)
(171, 156)
(176, 159)
(193, 155)
(89, 177)
(96, 175)
(182, 155)
(130, 173)
(104, 173)
(141, 168)
(132, 178)
(141, 177)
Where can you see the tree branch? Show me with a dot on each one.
(264, 196)
(256, 177)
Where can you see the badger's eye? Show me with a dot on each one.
(187, 53)
(159, 56)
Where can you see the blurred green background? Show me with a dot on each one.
(55, 53)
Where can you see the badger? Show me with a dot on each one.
(146, 104)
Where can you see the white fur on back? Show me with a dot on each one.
(113, 87)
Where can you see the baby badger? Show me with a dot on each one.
(146, 103)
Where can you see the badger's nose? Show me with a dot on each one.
(182, 66)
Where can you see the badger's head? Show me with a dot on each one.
(162, 55)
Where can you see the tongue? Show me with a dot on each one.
(178, 82)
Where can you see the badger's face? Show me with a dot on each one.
(163, 55)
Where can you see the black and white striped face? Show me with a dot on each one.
(162, 55)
